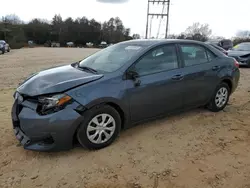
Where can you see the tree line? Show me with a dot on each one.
(202, 32)
(83, 30)
(79, 30)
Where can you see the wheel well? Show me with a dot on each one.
(229, 83)
(119, 110)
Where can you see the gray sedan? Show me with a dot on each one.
(92, 100)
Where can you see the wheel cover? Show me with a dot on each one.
(221, 97)
(101, 128)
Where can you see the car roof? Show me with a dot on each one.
(151, 42)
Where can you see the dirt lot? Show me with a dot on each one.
(193, 149)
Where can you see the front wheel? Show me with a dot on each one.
(101, 126)
(220, 98)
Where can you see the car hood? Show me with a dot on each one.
(56, 80)
(237, 53)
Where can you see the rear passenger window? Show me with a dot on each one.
(210, 55)
(195, 55)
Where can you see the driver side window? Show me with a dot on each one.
(160, 59)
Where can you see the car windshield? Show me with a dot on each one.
(242, 47)
(111, 58)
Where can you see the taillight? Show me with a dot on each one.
(236, 63)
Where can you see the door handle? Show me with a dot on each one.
(216, 67)
(177, 77)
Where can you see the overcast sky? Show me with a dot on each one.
(225, 17)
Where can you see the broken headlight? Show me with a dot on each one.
(54, 103)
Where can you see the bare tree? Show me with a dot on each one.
(198, 29)
(136, 36)
(12, 19)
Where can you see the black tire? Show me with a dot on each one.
(8, 49)
(90, 114)
(3, 51)
(212, 106)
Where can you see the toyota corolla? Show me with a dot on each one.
(92, 100)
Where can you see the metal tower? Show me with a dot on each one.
(163, 14)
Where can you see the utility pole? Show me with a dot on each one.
(168, 5)
(161, 15)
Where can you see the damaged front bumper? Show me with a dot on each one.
(52, 132)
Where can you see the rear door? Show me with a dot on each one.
(160, 88)
(201, 67)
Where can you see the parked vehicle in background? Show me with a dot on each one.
(89, 44)
(70, 44)
(31, 43)
(126, 83)
(226, 44)
(241, 53)
(55, 44)
(103, 44)
(4, 46)
(217, 47)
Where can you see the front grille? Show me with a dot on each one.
(19, 108)
(16, 109)
(15, 123)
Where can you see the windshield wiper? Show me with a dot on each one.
(87, 69)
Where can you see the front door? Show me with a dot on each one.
(158, 88)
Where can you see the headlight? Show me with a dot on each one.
(54, 103)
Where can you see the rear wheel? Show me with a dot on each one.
(100, 128)
(220, 98)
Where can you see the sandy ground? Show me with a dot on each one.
(193, 149)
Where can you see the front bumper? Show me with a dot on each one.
(243, 61)
(53, 132)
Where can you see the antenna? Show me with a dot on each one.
(161, 15)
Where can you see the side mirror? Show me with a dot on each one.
(132, 75)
